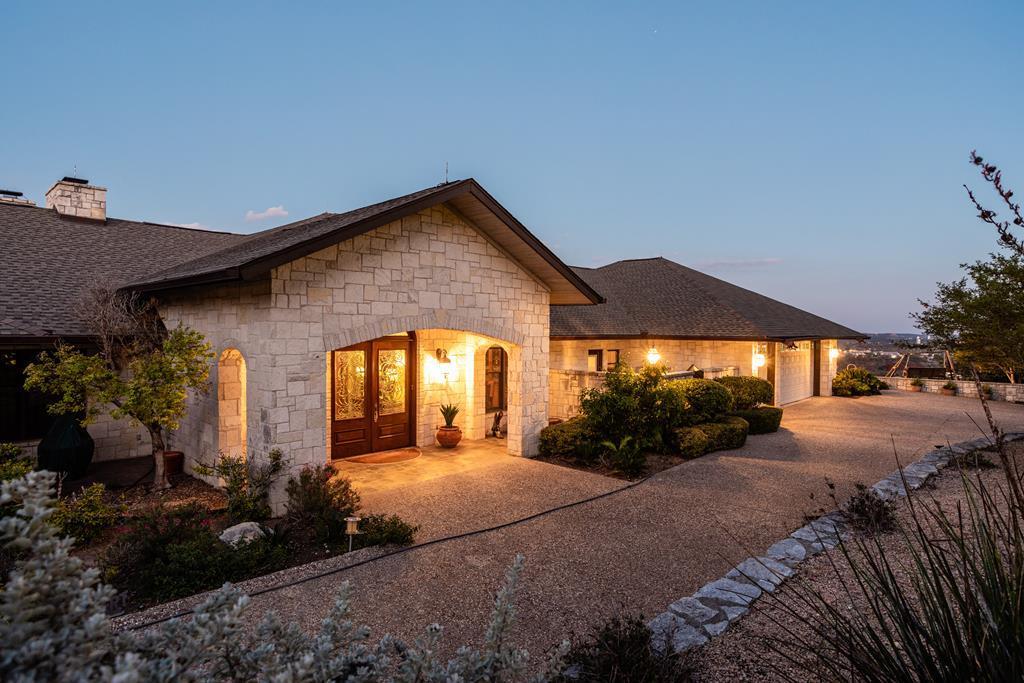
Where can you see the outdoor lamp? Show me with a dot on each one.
(653, 356)
(833, 353)
(444, 363)
(351, 529)
(759, 360)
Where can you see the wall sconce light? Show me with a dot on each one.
(759, 360)
(351, 529)
(444, 363)
(653, 356)
(833, 353)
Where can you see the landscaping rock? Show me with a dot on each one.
(734, 613)
(764, 571)
(667, 628)
(730, 591)
(239, 534)
(788, 550)
(717, 628)
(693, 610)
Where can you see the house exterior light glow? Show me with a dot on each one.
(833, 353)
(759, 360)
(653, 356)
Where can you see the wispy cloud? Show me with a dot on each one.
(271, 212)
(191, 226)
(740, 263)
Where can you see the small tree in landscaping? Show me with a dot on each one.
(142, 370)
(980, 318)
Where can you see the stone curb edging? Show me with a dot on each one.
(691, 621)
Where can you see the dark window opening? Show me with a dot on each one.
(496, 379)
(23, 415)
(594, 360)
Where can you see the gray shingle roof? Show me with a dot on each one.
(660, 298)
(47, 262)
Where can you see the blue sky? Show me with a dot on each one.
(811, 151)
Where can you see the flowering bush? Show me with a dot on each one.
(54, 627)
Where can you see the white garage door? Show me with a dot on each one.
(796, 373)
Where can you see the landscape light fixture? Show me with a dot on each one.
(351, 529)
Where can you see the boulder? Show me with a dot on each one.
(239, 534)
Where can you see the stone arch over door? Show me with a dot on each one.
(231, 403)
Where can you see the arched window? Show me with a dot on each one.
(496, 378)
(231, 417)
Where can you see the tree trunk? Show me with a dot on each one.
(156, 436)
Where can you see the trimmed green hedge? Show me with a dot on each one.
(691, 442)
(748, 392)
(564, 439)
(854, 381)
(705, 399)
(728, 433)
(763, 420)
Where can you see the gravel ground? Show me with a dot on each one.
(642, 548)
(745, 653)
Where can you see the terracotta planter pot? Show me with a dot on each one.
(449, 437)
(913, 388)
(174, 462)
(948, 392)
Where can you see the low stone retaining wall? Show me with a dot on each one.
(1001, 391)
(691, 621)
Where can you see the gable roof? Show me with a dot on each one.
(259, 253)
(47, 262)
(660, 298)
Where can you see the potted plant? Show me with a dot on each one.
(986, 389)
(917, 384)
(949, 388)
(449, 435)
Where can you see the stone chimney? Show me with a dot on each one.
(76, 198)
(12, 197)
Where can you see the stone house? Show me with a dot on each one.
(344, 333)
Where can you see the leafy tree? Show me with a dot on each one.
(980, 318)
(142, 370)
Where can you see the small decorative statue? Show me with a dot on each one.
(496, 427)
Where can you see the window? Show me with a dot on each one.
(594, 363)
(23, 414)
(495, 378)
(611, 358)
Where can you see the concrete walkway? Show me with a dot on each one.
(641, 548)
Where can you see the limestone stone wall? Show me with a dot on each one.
(429, 271)
(565, 389)
(1001, 391)
(677, 354)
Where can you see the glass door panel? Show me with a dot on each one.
(391, 381)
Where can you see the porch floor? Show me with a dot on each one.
(434, 462)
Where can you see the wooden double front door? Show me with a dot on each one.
(372, 396)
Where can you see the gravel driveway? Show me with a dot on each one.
(642, 548)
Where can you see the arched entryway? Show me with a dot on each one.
(231, 406)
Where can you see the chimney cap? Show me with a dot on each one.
(11, 193)
(77, 181)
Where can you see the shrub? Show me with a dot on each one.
(86, 514)
(385, 530)
(869, 512)
(167, 554)
(319, 500)
(691, 442)
(56, 628)
(854, 381)
(763, 420)
(640, 404)
(626, 456)
(917, 382)
(10, 452)
(563, 440)
(949, 386)
(246, 484)
(748, 392)
(726, 434)
(620, 650)
(705, 400)
(14, 469)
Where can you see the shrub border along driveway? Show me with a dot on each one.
(690, 621)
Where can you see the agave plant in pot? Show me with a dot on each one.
(449, 435)
(917, 384)
(949, 388)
